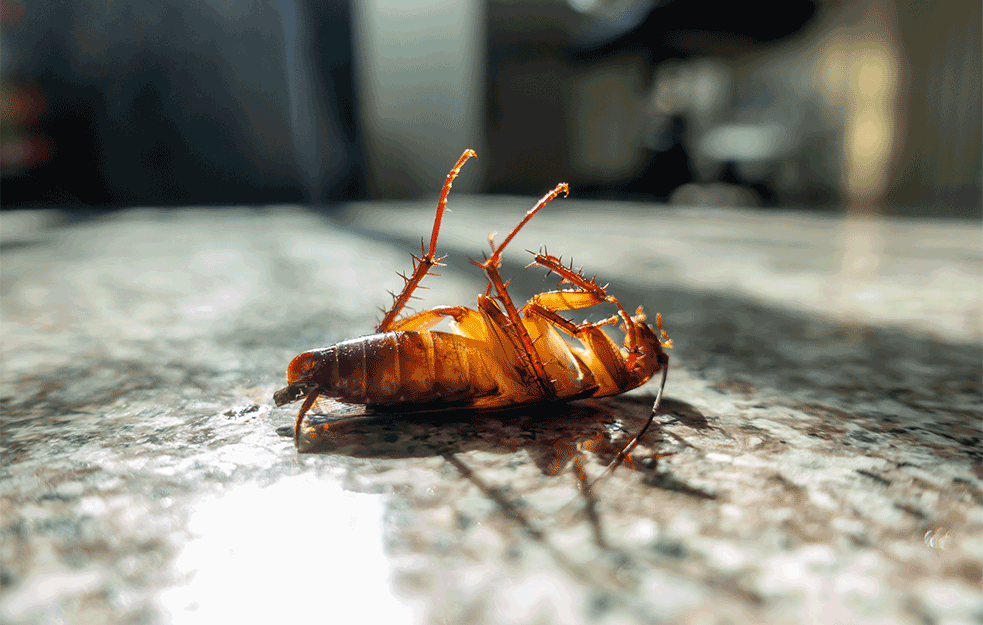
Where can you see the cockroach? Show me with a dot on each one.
(495, 357)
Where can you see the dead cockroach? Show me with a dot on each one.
(494, 357)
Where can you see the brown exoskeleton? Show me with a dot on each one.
(494, 357)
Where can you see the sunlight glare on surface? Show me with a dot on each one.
(297, 550)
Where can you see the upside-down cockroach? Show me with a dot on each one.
(494, 357)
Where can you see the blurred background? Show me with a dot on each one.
(795, 103)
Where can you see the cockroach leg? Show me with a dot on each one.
(427, 259)
(573, 329)
(553, 264)
(563, 188)
(525, 342)
(491, 266)
(666, 341)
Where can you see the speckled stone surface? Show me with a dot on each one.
(817, 457)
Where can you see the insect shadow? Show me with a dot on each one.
(552, 434)
(555, 437)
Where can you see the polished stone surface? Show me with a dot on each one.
(817, 457)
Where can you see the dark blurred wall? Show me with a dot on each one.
(189, 103)
(802, 103)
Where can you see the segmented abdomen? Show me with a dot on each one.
(398, 368)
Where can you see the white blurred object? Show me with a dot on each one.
(743, 142)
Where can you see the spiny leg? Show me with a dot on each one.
(427, 259)
(599, 294)
(601, 355)
(545, 305)
(491, 266)
(533, 307)
(524, 340)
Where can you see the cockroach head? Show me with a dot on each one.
(650, 343)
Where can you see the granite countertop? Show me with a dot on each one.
(817, 457)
